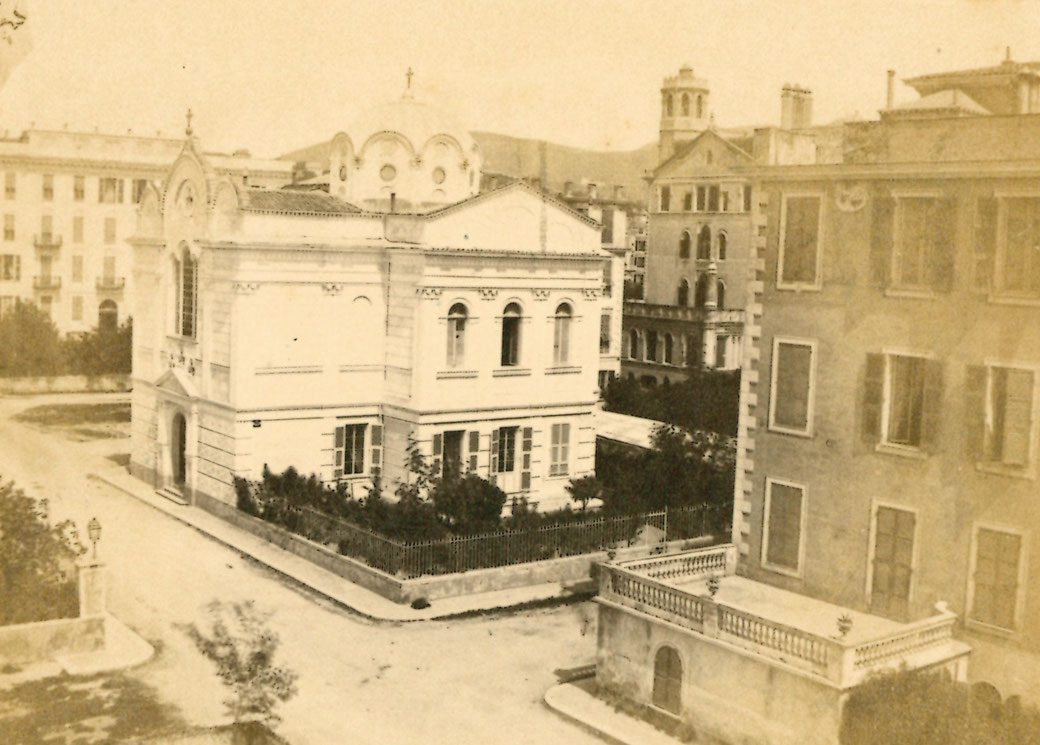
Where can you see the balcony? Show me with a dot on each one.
(46, 283)
(47, 242)
(110, 284)
(775, 626)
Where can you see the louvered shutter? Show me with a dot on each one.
(338, 445)
(474, 448)
(1018, 417)
(438, 444)
(931, 414)
(493, 460)
(881, 240)
(873, 392)
(975, 412)
(525, 472)
(985, 243)
(945, 245)
(377, 449)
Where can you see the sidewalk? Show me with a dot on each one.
(337, 589)
(579, 706)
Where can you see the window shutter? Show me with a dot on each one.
(944, 245)
(932, 405)
(985, 242)
(438, 442)
(493, 460)
(474, 448)
(338, 444)
(975, 412)
(525, 472)
(873, 391)
(377, 449)
(1018, 416)
(881, 240)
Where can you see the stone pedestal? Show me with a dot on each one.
(91, 576)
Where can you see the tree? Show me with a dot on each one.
(100, 352)
(243, 647)
(469, 504)
(584, 490)
(31, 344)
(37, 574)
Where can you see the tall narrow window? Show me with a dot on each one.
(9, 185)
(110, 190)
(685, 104)
(687, 201)
(700, 294)
(562, 334)
(48, 187)
(799, 242)
(702, 198)
(78, 188)
(633, 344)
(902, 400)
(720, 292)
(995, 580)
(457, 316)
(604, 333)
(747, 198)
(511, 336)
(187, 295)
(722, 246)
(559, 463)
(917, 242)
(108, 316)
(684, 245)
(8, 227)
(704, 243)
(651, 346)
(894, 531)
(666, 198)
(668, 106)
(350, 450)
(140, 184)
(1019, 261)
(790, 399)
(782, 526)
(713, 194)
(700, 107)
(669, 350)
(506, 456)
(1000, 415)
(684, 293)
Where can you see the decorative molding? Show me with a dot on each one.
(541, 293)
(245, 288)
(332, 288)
(488, 293)
(591, 293)
(429, 293)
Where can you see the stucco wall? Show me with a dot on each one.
(34, 642)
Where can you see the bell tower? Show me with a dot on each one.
(685, 112)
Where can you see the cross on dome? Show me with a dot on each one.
(187, 128)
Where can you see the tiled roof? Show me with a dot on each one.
(296, 202)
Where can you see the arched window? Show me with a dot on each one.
(456, 334)
(668, 105)
(511, 335)
(651, 346)
(562, 334)
(693, 350)
(633, 344)
(668, 680)
(108, 316)
(684, 244)
(668, 350)
(700, 107)
(685, 104)
(684, 293)
(704, 243)
(720, 288)
(722, 245)
(186, 278)
(700, 293)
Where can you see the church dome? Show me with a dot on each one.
(406, 154)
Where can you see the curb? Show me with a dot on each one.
(640, 732)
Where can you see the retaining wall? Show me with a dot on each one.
(65, 384)
(43, 640)
(564, 570)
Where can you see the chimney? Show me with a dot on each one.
(393, 201)
(592, 191)
(795, 107)
(890, 97)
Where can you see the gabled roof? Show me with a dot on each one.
(285, 201)
(523, 186)
(690, 146)
(951, 99)
(176, 380)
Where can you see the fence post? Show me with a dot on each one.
(666, 524)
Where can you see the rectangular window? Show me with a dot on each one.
(48, 187)
(747, 198)
(782, 526)
(1000, 413)
(713, 199)
(559, 457)
(77, 307)
(10, 267)
(916, 242)
(604, 333)
(790, 397)
(995, 578)
(9, 185)
(666, 198)
(725, 200)
(110, 230)
(798, 264)
(687, 201)
(702, 198)
(77, 268)
(902, 400)
(506, 456)
(140, 184)
(350, 450)
(893, 561)
(78, 188)
(77, 229)
(905, 396)
(1018, 261)
(8, 227)
(110, 190)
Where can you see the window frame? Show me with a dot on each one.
(506, 450)
(515, 320)
(455, 348)
(563, 322)
(886, 402)
(350, 445)
(559, 450)
(998, 292)
(813, 345)
(925, 286)
(179, 261)
(872, 548)
(817, 283)
(803, 514)
(1028, 471)
(1021, 579)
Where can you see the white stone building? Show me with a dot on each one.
(288, 327)
(69, 202)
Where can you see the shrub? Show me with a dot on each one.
(469, 504)
(709, 401)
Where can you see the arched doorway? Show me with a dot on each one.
(178, 443)
(108, 316)
(667, 693)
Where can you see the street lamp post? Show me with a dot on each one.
(94, 533)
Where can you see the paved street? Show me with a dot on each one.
(475, 680)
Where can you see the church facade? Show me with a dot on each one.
(329, 330)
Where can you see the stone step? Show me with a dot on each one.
(172, 494)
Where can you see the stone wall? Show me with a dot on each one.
(42, 640)
(65, 384)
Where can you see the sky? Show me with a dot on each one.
(272, 76)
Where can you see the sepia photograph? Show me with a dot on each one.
(533, 372)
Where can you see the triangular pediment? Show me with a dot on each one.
(707, 152)
(178, 382)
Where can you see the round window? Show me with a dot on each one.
(438, 175)
(342, 173)
(387, 172)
